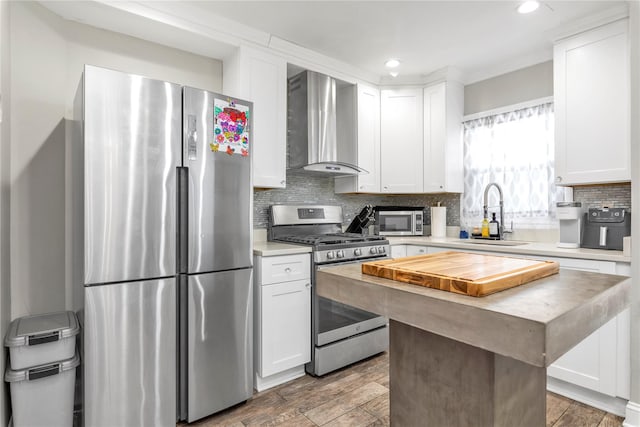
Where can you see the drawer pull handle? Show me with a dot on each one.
(287, 270)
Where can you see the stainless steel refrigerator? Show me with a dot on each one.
(167, 301)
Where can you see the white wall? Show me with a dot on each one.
(4, 194)
(47, 56)
(511, 88)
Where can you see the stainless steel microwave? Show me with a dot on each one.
(398, 221)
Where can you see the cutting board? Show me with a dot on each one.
(460, 272)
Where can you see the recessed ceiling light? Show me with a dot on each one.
(392, 63)
(393, 73)
(528, 6)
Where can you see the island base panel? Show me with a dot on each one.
(437, 381)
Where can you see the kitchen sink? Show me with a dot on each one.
(494, 242)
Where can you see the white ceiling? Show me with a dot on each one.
(479, 38)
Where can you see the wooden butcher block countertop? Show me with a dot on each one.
(464, 273)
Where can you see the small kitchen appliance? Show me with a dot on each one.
(341, 334)
(399, 220)
(570, 218)
(605, 228)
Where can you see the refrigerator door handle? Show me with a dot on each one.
(183, 219)
(192, 137)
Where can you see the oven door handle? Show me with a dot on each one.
(356, 261)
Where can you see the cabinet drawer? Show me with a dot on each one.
(285, 268)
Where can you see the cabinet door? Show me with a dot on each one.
(369, 138)
(443, 110)
(286, 326)
(260, 77)
(401, 153)
(368, 149)
(623, 362)
(398, 251)
(591, 90)
(435, 137)
(592, 362)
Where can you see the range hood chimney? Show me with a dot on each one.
(312, 127)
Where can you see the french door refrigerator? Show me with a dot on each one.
(167, 298)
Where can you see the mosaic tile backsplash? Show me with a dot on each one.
(597, 196)
(303, 188)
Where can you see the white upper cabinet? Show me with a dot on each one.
(591, 92)
(401, 151)
(261, 77)
(368, 144)
(443, 109)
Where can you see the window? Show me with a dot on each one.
(516, 151)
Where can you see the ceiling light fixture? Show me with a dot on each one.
(392, 63)
(393, 73)
(528, 6)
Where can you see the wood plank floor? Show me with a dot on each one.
(359, 396)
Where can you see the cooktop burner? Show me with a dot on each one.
(320, 227)
(329, 239)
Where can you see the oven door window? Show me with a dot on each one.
(396, 223)
(336, 321)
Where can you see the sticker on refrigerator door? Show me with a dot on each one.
(230, 128)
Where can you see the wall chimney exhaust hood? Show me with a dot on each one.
(313, 126)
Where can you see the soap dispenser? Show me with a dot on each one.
(494, 226)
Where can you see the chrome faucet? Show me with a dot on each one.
(501, 229)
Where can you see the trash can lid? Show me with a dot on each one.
(63, 324)
(42, 371)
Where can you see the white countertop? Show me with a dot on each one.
(263, 248)
(528, 248)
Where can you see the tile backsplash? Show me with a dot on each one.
(303, 188)
(609, 195)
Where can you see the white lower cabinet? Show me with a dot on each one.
(398, 251)
(591, 363)
(282, 319)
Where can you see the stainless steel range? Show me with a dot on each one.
(341, 334)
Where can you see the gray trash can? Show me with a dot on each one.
(42, 368)
(43, 395)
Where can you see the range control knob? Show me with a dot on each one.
(374, 250)
(381, 249)
(357, 252)
(330, 255)
(340, 254)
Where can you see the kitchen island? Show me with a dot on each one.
(460, 360)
